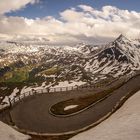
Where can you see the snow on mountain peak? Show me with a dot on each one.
(122, 39)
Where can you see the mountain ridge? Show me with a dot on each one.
(84, 62)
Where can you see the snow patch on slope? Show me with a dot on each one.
(8, 133)
(69, 84)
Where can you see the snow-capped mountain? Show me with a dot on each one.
(82, 62)
(117, 58)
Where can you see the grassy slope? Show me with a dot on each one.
(16, 75)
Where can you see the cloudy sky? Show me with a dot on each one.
(69, 21)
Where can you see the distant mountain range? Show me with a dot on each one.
(29, 62)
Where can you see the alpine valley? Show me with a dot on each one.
(33, 63)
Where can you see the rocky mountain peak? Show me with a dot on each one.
(122, 39)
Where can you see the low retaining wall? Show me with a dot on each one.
(69, 89)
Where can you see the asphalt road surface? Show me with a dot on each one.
(32, 114)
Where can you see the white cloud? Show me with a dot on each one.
(12, 5)
(71, 15)
(86, 8)
(75, 24)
